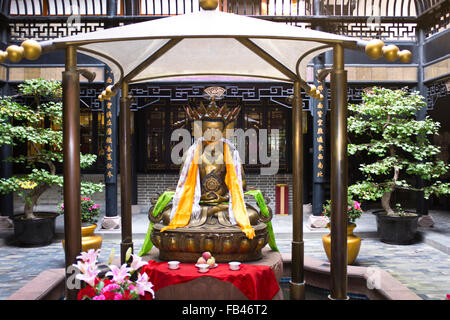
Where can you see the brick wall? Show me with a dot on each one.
(150, 184)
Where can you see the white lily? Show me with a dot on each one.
(111, 256)
(118, 274)
(89, 276)
(137, 262)
(90, 256)
(142, 285)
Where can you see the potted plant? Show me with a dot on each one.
(396, 146)
(34, 117)
(90, 213)
(353, 242)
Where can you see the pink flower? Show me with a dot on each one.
(448, 297)
(89, 276)
(119, 274)
(142, 285)
(357, 205)
(110, 287)
(90, 256)
(137, 262)
(100, 297)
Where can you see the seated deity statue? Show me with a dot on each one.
(207, 211)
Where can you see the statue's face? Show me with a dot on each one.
(212, 131)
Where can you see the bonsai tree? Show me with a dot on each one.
(396, 146)
(25, 123)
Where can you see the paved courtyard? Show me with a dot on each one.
(423, 267)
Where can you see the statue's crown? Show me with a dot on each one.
(213, 112)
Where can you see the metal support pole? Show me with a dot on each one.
(125, 172)
(71, 158)
(339, 176)
(297, 283)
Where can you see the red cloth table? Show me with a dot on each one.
(255, 281)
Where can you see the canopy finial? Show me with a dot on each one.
(209, 4)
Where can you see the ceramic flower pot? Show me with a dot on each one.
(353, 244)
(396, 230)
(88, 239)
(38, 231)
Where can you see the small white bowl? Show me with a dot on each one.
(174, 265)
(234, 265)
(203, 267)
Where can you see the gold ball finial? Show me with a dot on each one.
(390, 52)
(209, 4)
(31, 49)
(109, 91)
(3, 56)
(100, 97)
(15, 53)
(374, 49)
(405, 56)
(317, 94)
(105, 95)
(312, 91)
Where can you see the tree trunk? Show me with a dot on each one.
(386, 198)
(386, 203)
(30, 201)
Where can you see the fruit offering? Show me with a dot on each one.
(208, 259)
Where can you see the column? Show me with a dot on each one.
(297, 283)
(421, 202)
(6, 171)
(111, 220)
(338, 176)
(125, 172)
(71, 158)
(319, 110)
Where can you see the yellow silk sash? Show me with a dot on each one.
(237, 198)
(183, 214)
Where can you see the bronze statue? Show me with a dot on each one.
(208, 211)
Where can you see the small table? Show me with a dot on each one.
(256, 280)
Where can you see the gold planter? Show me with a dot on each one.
(88, 239)
(353, 244)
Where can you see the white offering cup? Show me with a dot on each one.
(174, 265)
(203, 267)
(234, 265)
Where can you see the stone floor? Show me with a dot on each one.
(423, 267)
